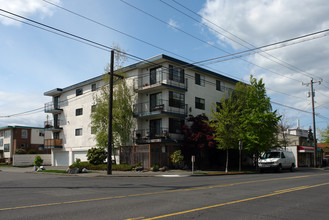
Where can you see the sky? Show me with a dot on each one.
(33, 61)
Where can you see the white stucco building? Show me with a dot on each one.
(166, 91)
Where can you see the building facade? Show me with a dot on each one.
(27, 139)
(166, 90)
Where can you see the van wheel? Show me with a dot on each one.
(279, 169)
(292, 168)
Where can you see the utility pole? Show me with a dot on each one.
(109, 140)
(313, 113)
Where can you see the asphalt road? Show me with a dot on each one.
(299, 195)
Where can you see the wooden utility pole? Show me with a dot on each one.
(109, 140)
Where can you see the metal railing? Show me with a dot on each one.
(161, 78)
(51, 124)
(147, 134)
(50, 106)
(161, 106)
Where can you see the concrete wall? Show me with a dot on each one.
(28, 159)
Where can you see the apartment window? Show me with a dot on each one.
(1, 142)
(218, 106)
(78, 132)
(199, 103)
(78, 92)
(93, 108)
(176, 99)
(24, 133)
(218, 86)
(93, 87)
(6, 148)
(156, 101)
(7, 133)
(176, 74)
(93, 130)
(199, 79)
(1, 133)
(155, 75)
(78, 111)
(175, 125)
(41, 134)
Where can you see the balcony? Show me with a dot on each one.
(147, 83)
(51, 125)
(53, 143)
(50, 107)
(161, 107)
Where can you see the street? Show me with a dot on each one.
(288, 195)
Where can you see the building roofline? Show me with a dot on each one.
(19, 126)
(151, 60)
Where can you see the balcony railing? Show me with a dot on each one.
(53, 143)
(52, 125)
(50, 107)
(160, 107)
(147, 82)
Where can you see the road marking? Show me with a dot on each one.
(155, 193)
(238, 201)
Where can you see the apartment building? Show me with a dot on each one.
(166, 90)
(26, 138)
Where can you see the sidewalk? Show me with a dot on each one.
(100, 173)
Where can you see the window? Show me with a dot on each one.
(199, 79)
(24, 133)
(93, 108)
(78, 92)
(176, 99)
(78, 111)
(1, 142)
(155, 128)
(199, 103)
(41, 134)
(93, 130)
(6, 148)
(218, 87)
(218, 106)
(93, 87)
(1, 133)
(78, 132)
(155, 75)
(7, 133)
(176, 74)
(156, 101)
(175, 125)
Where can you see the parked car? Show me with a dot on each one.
(277, 160)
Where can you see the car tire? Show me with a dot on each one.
(279, 169)
(292, 168)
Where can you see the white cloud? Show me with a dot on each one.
(25, 8)
(264, 22)
(172, 23)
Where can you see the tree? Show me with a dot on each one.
(325, 135)
(122, 109)
(259, 122)
(226, 121)
(198, 141)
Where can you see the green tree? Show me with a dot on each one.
(226, 121)
(259, 122)
(122, 112)
(325, 135)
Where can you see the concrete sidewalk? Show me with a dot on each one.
(100, 173)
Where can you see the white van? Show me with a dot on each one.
(277, 160)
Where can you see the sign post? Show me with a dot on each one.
(193, 160)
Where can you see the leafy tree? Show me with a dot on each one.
(259, 122)
(325, 135)
(122, 112)
(226, 121)
(38, 161)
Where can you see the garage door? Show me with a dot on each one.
(82, 155)
(61, 158)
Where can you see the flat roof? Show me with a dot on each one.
(19, 126)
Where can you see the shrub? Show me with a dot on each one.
(32, 151)
(96, 156)
(177, 158)
(38, 161)
(20, 151)
(89, 166)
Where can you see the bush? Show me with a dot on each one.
(96, 156)
(32, 151)
(177, 159)
(38, 161)
(89, 166)
(20, 151)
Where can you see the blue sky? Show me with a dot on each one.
(33, 61)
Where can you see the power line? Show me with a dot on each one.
(291, 67)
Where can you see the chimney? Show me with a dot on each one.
(297, 123)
